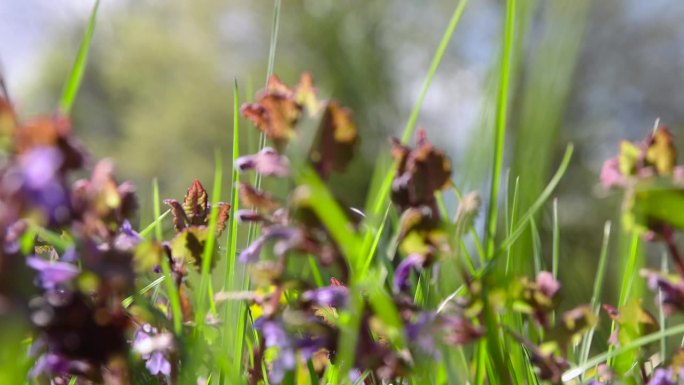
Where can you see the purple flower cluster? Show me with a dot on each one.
(306, 327)
(80, 325)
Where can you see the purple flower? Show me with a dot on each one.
(266, 162)
(289, 235)
(41, 183)
(57, 364)
(275, 336)
(663, 377)
(401, 274)
(671, 289)
(128, 238)
(252, 252)
(39, 166)
(52, 274)
(331, 296)
(421, 334)
(152, 345)
(158, 364)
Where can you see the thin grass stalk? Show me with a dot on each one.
(171, 288)
(575, 372)
(73, 82)
(599, 281)
(379, 201)
(500, 126)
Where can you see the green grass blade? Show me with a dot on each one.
(514, 213)
(537, 257)
(555, 254)
(171, 289)
(73, 82)
(601, 270)
(434, 65)
(598, 289)
(206, 291)
(500, 126)
(637, 343)
(520, 226)
(274, 39)
(129, 300)
(152, 226)
(330, 213)
(54, 239)
(234, 201)
(378, 202)
(662, 318)
(315, 271)
(630, 272)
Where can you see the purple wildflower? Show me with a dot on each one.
(58, 364)
(52, 274)
(152, 346)
(671, 289)
(420, 332)
(128, 238)
(663, 377)
(275, 336)
(158, 364)
(331, 296)
(41, 183)
(401, 274)
(266, 162)
(253, 251)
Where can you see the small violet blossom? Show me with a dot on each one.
(148, 342)
(275, 336)
(41, 184)
(52, 274)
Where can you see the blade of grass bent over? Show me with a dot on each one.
(73, 82)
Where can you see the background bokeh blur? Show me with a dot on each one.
(157, 95)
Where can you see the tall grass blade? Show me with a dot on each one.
(206, 292)
(573, 373)
(73, 82)
(599, 280)
(500, 126)
(171, 289)
(520, 226)
(555, 254)
(380, 196)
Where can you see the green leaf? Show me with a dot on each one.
(657, 200)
